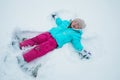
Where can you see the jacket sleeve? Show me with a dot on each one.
(58, 21)
(76, 42)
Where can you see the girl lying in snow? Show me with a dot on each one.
(64, 32)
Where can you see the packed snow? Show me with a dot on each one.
(101, 37)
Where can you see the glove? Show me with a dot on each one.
(84, 54)
(54, 15)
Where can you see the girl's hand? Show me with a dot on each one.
(84, 54)
(54, 15)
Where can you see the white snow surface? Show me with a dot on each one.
(101, 37)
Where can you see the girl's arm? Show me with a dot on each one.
(77, 44)
(57, 19)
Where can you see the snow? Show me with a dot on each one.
(101, 37)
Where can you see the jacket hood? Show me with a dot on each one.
(78, 30)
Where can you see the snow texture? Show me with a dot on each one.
(101, 37)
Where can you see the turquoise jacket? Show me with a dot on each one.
(63, 34)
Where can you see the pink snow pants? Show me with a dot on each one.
(44, 43)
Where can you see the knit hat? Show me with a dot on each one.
(80, 22)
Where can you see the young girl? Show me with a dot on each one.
(65, 31)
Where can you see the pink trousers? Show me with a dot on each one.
(44, 43)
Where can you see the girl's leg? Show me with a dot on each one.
(35, 40)
(40, 50)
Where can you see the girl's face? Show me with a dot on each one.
(75, 25)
